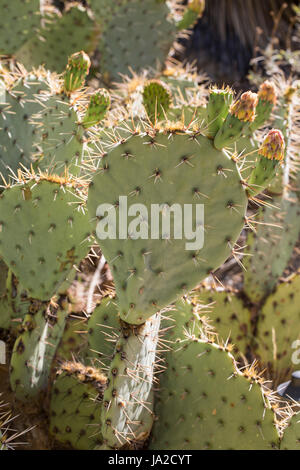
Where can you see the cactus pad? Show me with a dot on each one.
(53, 51)
(75, 407)
(51, 236)
(204, 402)
(278, 327)
(135, 34)
(167, 168)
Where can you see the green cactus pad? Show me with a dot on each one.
(62, 143)
(204, 402)
(156, 100)
(74, 339)
(75, 408)
(35, 349)
(98, 106)
(19, 137)
(62, 36)
(218, 106)
(51, 236)
(102, 326)
(278, 328)
(167, 168)
(127, 415)
(136, 35)
(229, 317)
(291, 436)
(20, 20)
(272, 246)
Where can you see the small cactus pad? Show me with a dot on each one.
(19, 21)
(291, 436)
(76, 72)
(127, 415)
(135, 34)
(156, 100)
(51, 236)
(61, 36)
(278, 328)
(218, 107)
(266, 101)
(204, 402)
(19, 137)
(34, 350)
(75, 407)
(154, 267)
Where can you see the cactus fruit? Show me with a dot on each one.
(205, 402)
(140, 49)
(35, 349)
(75, 408)
(183, 167)
(49, 212)
(241, 114)
(20, 20)
(127, 415)
(19, 137)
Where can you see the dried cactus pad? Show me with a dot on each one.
(43, 234)
(165, 169)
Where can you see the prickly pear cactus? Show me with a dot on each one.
(35, 349)
(165, 167)
(205, 402)
(229, 316)
(102, 326)
(127, 415)
(61, 36)
(52, 234)
(75, 408)
(20, 20)
(291, 436)
(20, 99)
(277, 327)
